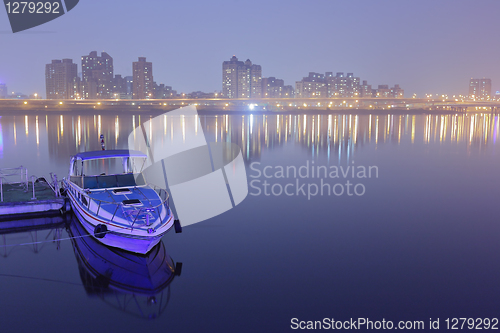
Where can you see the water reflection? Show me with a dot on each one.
(33, 234)
(334, 135)
(135, 284)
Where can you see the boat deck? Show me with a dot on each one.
(17, 201)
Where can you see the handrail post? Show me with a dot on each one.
(114, 213)
(33, 184)
(140, 210)
(56, 186)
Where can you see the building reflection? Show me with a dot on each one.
(334, 135)
(339, 136)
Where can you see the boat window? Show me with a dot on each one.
(110, 166)
(90, 182)
(139, 179)
(108, 181)
(101, 182)
(131, 180)
(77, 168)
(76, 180)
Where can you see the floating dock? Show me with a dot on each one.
(19, 201)
(22, 198)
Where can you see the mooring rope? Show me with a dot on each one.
(41, 279)
(49, 241)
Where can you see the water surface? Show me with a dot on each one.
(420, 243)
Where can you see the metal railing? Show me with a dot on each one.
(55, 185)
(6, 175)
(19, 176)
(133, 213)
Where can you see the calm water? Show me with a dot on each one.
(421, 242)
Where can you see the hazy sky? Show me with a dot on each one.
(424, 45)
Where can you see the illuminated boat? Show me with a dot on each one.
(113, 201)
(133, 283)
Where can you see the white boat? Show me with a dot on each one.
(113, 201)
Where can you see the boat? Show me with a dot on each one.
(110, 197)
(136, 284)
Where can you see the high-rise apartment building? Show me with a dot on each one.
(130, 86)
(275, 88)
(161, 91)
(383, 91)
(119, 87)
(244, 80)
(352, 85)
(241, 79)
(142, 79)
(312, 86)
(76, 88)
(59, 79)
(365, 89)
(255, 80)
(230, 77)
(342, 85)
(397, 92)
(480, 89)
(97, 75)
(336, 85)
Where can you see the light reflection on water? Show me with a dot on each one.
(53, 138)
(421, 243)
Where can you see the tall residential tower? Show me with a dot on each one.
(59, 78)
(142, 79)
(241, 79)
(97, 76)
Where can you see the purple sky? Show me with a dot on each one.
(424, 45)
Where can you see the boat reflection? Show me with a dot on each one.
(136, 284)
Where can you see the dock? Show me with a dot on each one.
(24, 198)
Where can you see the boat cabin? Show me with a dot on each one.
(105, 169)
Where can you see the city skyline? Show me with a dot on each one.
(243, 80)
(97, 80)
(420, 45)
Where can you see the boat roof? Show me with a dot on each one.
(92, 155)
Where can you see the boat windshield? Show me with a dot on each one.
(109, 181)
(109, 166)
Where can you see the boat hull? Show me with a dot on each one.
(122, 240)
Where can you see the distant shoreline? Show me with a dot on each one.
(240, 106)
(202, 111)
